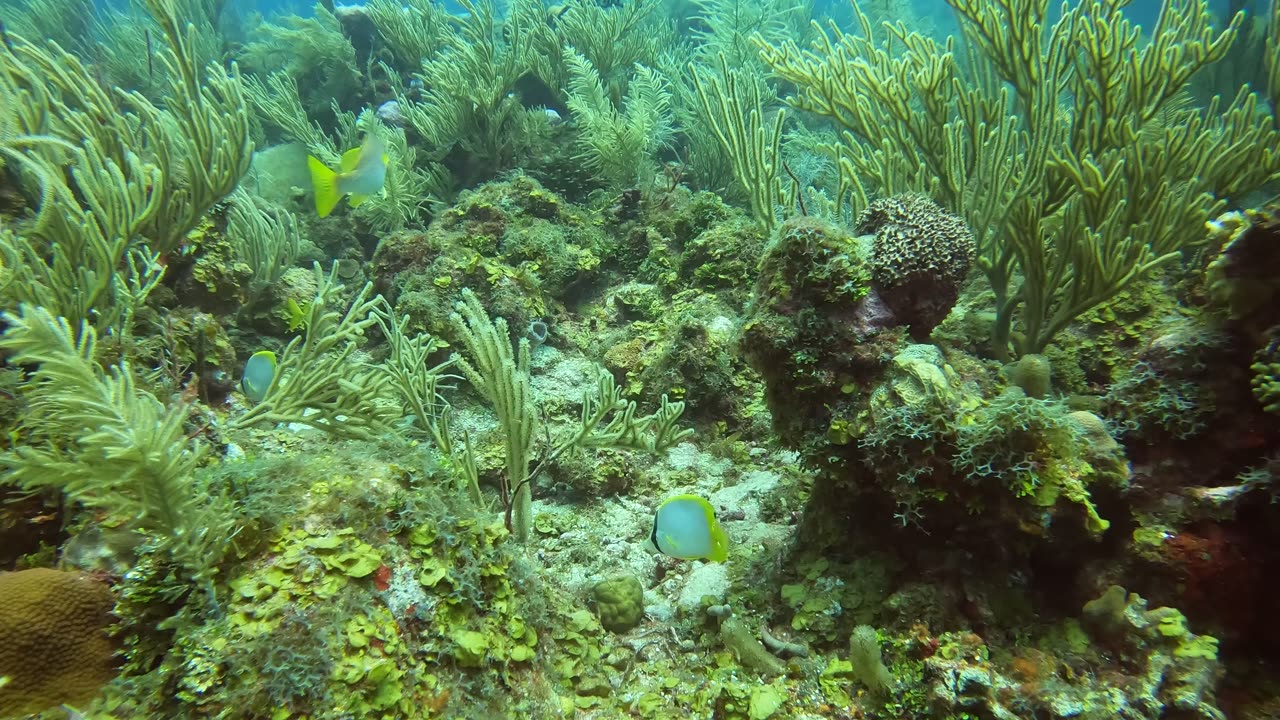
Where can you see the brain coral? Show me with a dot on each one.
(53, 642)
(919, 258)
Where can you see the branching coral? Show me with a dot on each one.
(417, 382)
(735, 114)
(1082, 199)
(468, 82)
(69, 23)
(204, 147)
(266, 237)
(109, 445)
(413, 31)
(131, 34)
(67, 259)
(726, 27)
(138, 177)
(72, 262)
(502, 378)
(407, 189)
(312, 50)
(608, 420)
(277, 100)
(317, 382)
(613, 40)
(1272, 63)
(620, 144)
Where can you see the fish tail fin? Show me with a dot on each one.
(325, 184)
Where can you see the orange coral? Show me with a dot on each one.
(53, 642)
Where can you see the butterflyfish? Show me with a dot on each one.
(259, 373)
(685, 527)
(360, 174)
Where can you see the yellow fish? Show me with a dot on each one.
(297, 315)
(360, 174)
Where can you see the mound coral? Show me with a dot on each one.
(53, 642)
(619, 602)
(919, 258)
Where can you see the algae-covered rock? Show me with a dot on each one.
(1266, 376)
(1104, 615)
(1241, 278)
(1176, 670)
(919, 376)
(813, 324)
(619, 602)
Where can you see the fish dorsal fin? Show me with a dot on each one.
(350, 159)
(695, 499)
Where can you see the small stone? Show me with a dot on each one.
(705, 579)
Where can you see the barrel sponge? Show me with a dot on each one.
(53, 641)
(919, 258)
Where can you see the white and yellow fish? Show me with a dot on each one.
(259, 374)
(685, 527)
(360, 174)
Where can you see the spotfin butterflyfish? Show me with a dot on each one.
(685, 527)
(360, 174)
(259, 373)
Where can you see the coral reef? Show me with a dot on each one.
(951, 346)
(516, 244)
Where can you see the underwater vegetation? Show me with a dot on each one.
(640, 359)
